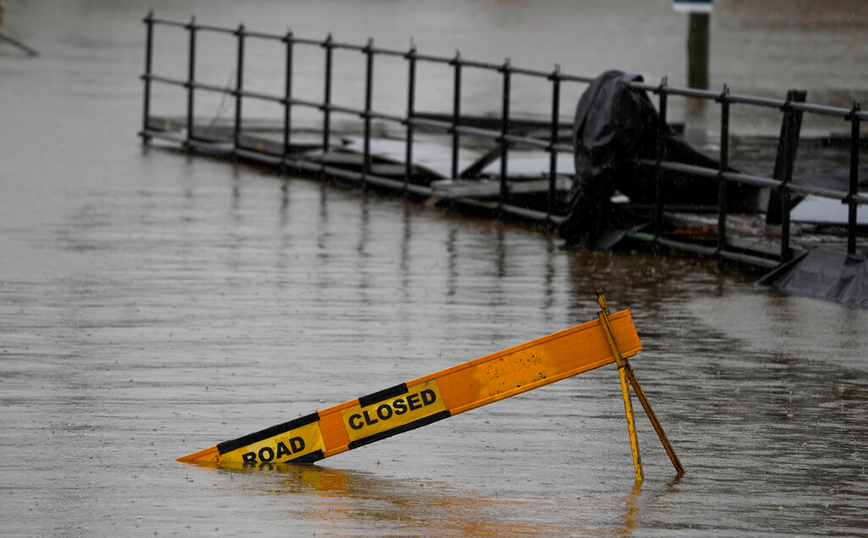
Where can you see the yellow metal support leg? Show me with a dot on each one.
(673, 457)
(625, 390)
(626, 371)
(631, 427)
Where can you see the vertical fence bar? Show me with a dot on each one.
(504, 130)
(553, 140)
(854, 179)
(327, 97)
(780, 199)
(287, 98)
(456, 111)
(191, 78)
(239, 87)
(787, 175)
(149, 55)
(411, 105)
(658, 172)
(369, 93)
(724, 164)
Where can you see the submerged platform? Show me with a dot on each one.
(816, 222)
(477, 184)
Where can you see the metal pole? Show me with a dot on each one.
(239, 86)
(854, 179)
(369, 92)
(553, 140)
(780, 199)
(655, 422)
(721, 180)
(456, 111)
(786, 195)
(625, 391)
(149, 53)
(327, 99)
(287, 95)
(661, 130)
(627, 369)
(504, 130)
(191, 79)
(411, 105)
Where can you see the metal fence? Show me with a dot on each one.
(504, 135)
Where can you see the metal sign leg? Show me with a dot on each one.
(626, 374)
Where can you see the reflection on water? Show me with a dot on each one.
(338, 501)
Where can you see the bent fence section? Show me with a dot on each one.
(502, 132)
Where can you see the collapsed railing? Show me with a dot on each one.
(505, 136)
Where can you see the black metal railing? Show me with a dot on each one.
(505, 136)
(792, 109)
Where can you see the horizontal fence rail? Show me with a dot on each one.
(505, 135)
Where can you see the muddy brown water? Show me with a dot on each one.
(153, 304)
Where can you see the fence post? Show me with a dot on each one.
(191, 80)
(721, 181)
(658, 172)
(239, 86)
(788, 146)
(327, 98)
(553, 140)
(411, 105)
(780, 198)
(456, 111)
(504, 130)
(149, 54)
(287, 99)
(369, 92)
(854, 179)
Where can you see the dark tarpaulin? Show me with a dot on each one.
(614, 125)
(824, 274)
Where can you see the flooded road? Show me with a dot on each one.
(153, 304)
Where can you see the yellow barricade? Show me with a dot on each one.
(434, 397)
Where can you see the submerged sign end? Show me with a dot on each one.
(209, 455)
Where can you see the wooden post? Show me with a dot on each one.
(697, 50)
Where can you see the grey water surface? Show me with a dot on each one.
(153, 304)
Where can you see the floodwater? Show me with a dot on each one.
(153, 304)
